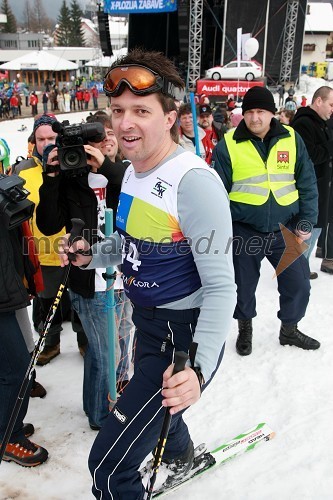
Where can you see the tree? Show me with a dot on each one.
(35, 18)
(44, 23)
(65, 26)
(29, 17)
(77, 34)
(11, 24)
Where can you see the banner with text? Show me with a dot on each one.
(226, 87)
(139, 6)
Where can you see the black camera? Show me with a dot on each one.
(70, 141)
(14, 206)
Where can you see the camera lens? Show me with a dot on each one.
(72, 158)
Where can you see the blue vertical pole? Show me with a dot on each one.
(195, 124)
(111, 314)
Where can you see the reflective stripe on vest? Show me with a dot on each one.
(253, 180)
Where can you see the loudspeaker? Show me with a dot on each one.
(154, 32)
(104, 33)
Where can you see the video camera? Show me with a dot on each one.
(14, 206)
(71, 138)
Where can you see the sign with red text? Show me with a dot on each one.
(226, 87)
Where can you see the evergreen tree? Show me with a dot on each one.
(65, 26)
(77, 34)
(11, 25)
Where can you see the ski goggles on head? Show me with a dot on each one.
(139, 79)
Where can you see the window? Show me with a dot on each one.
(309, 47)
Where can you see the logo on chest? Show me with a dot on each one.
(160, 187)
(282, 160)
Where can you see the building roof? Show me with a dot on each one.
(39, 60)
(320, 18)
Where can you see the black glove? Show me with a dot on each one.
(49, 169)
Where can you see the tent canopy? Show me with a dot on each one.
(39, 60)
(105, 62)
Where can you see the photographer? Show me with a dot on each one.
(31, 171)
(14, 355)
(77, 187)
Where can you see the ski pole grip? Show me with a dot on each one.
(180, 361)
(76, 231)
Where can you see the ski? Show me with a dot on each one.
(207, 461)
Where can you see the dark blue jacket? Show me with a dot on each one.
(266, 217)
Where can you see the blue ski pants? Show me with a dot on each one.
(132, 429)
(250, 247)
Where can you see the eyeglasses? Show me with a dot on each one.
(139, 79)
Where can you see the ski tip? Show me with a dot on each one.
(271, 436)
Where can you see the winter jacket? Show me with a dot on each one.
(63, 198)
(267, 217)
(319, 143)
(187, 143)
(31, 170)
(13, 294)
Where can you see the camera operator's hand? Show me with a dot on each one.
(96, 157)
(50, 160)
(81, 249)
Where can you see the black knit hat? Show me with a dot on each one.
(258, 98)
(46, 119)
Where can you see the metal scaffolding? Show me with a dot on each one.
(195, 40)
(289, 40)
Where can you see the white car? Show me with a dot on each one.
(247, 70)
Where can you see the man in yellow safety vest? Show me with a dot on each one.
(273, 195)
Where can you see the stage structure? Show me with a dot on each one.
(198, 34)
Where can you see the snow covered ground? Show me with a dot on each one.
(286, 387)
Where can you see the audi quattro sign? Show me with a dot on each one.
(226, 87)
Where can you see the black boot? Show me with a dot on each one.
(290, 335)
(244, 339)
(180, 466)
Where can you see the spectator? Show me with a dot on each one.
(61, 102)
(281, 92)
(86, 98)
(34, 103)
(31, 171)
(45, 100)
(311, 123)
(64, 196)
(213, 130)
(94, 93)
(26, 95)
(67, 103)
(286, 116)
(72, 94)
(261, 205)
(14, 355)
(79, 98)
(14, 105)
(290, 103)
(19, 107)
(186, 131)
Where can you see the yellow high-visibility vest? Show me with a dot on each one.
(253, 179)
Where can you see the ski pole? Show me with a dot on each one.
(180, 361)
(110, 277)
(77, 227)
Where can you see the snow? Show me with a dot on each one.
(286, 387)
